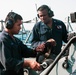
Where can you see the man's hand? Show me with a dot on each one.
(70, 35)
(52, 41)
(32, 64)
(40, 47)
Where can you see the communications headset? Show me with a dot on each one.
(50, 12)
(10, 22)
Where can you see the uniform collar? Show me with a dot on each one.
(45, 26)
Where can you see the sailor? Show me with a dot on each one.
(47, 29)
(12, 50)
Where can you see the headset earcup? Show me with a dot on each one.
(9, 24)
(50, 13)
(38, 15)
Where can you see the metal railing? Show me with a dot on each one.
(48, 70)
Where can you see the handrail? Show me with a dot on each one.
(51, 66)
(28, 36)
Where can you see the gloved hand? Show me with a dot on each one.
(70, 35)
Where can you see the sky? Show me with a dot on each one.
(28, 8)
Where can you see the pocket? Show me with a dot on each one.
(58, 32)
(43, 35)
(43, 32)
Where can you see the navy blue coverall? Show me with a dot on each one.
(12, 52)
(42, 33)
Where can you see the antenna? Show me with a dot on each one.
(36, 13)
(11, 10)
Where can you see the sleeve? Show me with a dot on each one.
(26, 51)
(7, 60)
(2, 62)
(35, 36)
(64, 34)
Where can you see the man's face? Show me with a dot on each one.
(43, 15)
(17, 26)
